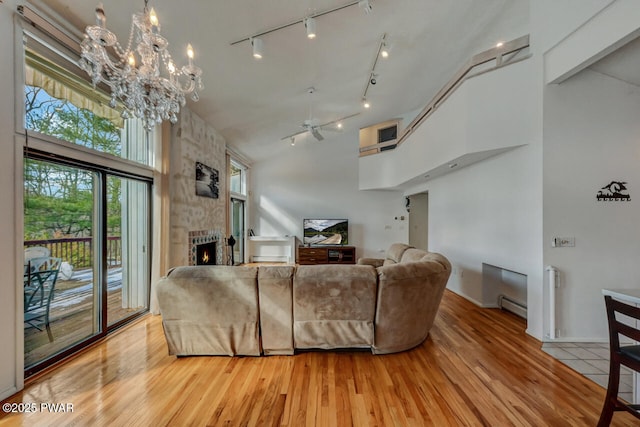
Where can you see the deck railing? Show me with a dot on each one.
(79, 251)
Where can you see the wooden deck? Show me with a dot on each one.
(477, 368)
(71, 314)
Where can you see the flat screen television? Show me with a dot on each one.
(326, 231)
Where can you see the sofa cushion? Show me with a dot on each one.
(334, 306)
(276, 308)
(394, 253)
(210, 310)
(412, 255)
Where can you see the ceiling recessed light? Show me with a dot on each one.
(339, 125)
(452, 165)
(499, 44)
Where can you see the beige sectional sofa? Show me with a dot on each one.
(387, 305)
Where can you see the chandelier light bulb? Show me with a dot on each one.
(153, 18)
(131, 60)
(190, 53)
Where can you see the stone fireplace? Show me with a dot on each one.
(195, 220)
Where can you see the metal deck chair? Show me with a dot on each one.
(40, 275)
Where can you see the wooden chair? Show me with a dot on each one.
(39, 284)
(628, 356)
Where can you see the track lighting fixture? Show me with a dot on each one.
(310, 25)
(293, 141)
(372, 78)
(256, 43)
(308, 21)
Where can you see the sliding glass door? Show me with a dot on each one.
(61, 308)
(86, 255)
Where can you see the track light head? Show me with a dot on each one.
(365, 5)
(293, 141)
(310, 25)
(385, 50)
(365, 103)
(256, 43)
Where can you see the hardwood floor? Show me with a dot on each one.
(478, 368)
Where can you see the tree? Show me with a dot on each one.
(59, 200)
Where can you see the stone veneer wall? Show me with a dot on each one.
(192, 139)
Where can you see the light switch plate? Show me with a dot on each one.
(563, 242)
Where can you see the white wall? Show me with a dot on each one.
(10, 378)
(591, 137)
(479, 116)
(490, 212)
(320, 180)
(580, 312)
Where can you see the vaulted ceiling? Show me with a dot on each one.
(254, 103)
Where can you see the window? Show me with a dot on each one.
(87, 210)
(238, 204)
(60, 103)
(237, 178)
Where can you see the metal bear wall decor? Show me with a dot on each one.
(615, 191)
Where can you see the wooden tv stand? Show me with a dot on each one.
(311, 255)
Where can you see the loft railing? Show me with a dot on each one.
(79, 251)
(503, 55)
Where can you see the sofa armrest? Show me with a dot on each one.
(376, 262)
(409, 295)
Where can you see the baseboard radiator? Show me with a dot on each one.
(515, 307)
(553, 285)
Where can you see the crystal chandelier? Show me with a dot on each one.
(142, 76)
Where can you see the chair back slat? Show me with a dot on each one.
(616, 326)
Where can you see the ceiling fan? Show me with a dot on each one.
(314, 130)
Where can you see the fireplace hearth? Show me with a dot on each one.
(206, 253)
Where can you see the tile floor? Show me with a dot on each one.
(592, 361)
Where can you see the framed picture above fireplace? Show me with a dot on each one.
(206, 181)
